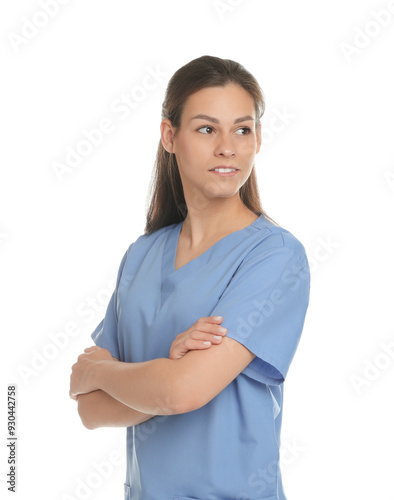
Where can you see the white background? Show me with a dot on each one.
(327, 177)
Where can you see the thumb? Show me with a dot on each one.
(92, 348)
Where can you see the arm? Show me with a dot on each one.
(165, 386)
(276, 276)
(99, 409)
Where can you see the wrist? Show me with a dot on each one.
(98, 372)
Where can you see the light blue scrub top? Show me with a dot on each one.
(258, 279)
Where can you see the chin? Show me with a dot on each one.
(221, 193)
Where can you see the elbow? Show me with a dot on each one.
(88, 425)
(85, 417)
(174, 394)
(184, 407)
(182, 399)
(177, 406)
(185, 404)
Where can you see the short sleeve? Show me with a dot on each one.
(264, 307)
(106, 333)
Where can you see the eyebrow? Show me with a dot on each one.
(215, 120)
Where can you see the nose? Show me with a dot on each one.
(224, 146)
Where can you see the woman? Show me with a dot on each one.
(209, 258)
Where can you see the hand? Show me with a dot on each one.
(97, 352)
(202, 335)
(81, 380)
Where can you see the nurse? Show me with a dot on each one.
(208, 309)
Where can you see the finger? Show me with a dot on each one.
(216, 319)
(210, 337)
(73, 396)
(192, 344)
(211, 319)
(93, 348)
(209, 328)
(216, 339)
(189, 345)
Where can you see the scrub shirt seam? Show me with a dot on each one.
(273, 430)
(281, 231)
(256, 245)
(283, 245)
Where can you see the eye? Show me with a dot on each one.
(207, 127)
(246, 130)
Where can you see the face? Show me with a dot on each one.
(224, 137)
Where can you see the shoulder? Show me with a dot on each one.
(271, 238)
(139, 248)
(149, 239)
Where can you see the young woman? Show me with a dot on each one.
(210, 258)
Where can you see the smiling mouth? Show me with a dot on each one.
(224, 170)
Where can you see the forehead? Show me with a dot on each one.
(229, 100)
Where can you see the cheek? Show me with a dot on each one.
(248, 148)
(192, 156)
(247, 155)
(184, 151)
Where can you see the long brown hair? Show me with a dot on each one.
(167, 202)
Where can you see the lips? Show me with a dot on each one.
(221, 173)
(223, 166)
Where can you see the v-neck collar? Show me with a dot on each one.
(171, 277)
(173, 240)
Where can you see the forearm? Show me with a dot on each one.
(150, 387)
(99, 409)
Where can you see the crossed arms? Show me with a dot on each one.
(111, 393)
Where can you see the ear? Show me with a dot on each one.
(258, 137)
(167, 135)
